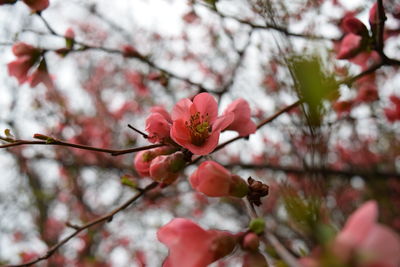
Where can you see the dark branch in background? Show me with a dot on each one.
(239, 62)
(138, 56)
(105, 218)
(47, 140)
(268, 26)
(325, 171)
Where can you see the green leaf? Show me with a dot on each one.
(313, 84)
(127, 181)
(257, 225)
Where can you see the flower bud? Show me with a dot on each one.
(251, 242)
(165, 169)
(213, 180)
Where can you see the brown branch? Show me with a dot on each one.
(105, 218)
(270, 26)
(261, 124)
(51, 141)
(324, 171)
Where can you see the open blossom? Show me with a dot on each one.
(158, 125)
(213, 180)
(192, 246)
(363, 242)
(242, 122)
(27, 56)
(196, 125)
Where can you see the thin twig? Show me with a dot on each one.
(55, 142)
(105, 218)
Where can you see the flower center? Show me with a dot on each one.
(199, 128)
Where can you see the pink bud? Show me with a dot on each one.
(69, 33)
(354, 25)
(143, 158)
(242, 122)
(213, 180)
(373, 15)
(165, 169)
(142, 162)
(191, 246)
(350, 46)
(158, 125)
(37, 5)
(251, 242)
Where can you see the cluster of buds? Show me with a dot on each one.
(162, 164)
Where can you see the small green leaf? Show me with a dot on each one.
(257, 225)
(7, 132)
(127, 181)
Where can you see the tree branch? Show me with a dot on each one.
(105, 218)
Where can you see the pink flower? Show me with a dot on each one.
(343, 107)
(350, 46)
(19, 68)
(354, 25)
(41, 75)
(362, 242)
(37, 5)
(192, 246)
(213, 180)
(373, 242)
(158, 125)
(196, 125)
(27, 56)
(241, 122)
(165, 169)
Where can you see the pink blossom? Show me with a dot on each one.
(242, 122)
(37, 5)
(196, 125)
(192, 246)
(393, 114)
(158, 125)
(373, 242)
(23, 49)
(19, 68)
(27, 56)
(213, 180)
(354, 25)
(349, 46)
(343, 107)
(362, 242)
(41, 75)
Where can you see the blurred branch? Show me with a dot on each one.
(324, 171)
(105, 218)
(138, 56)
(269, 26)
(51, 141)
